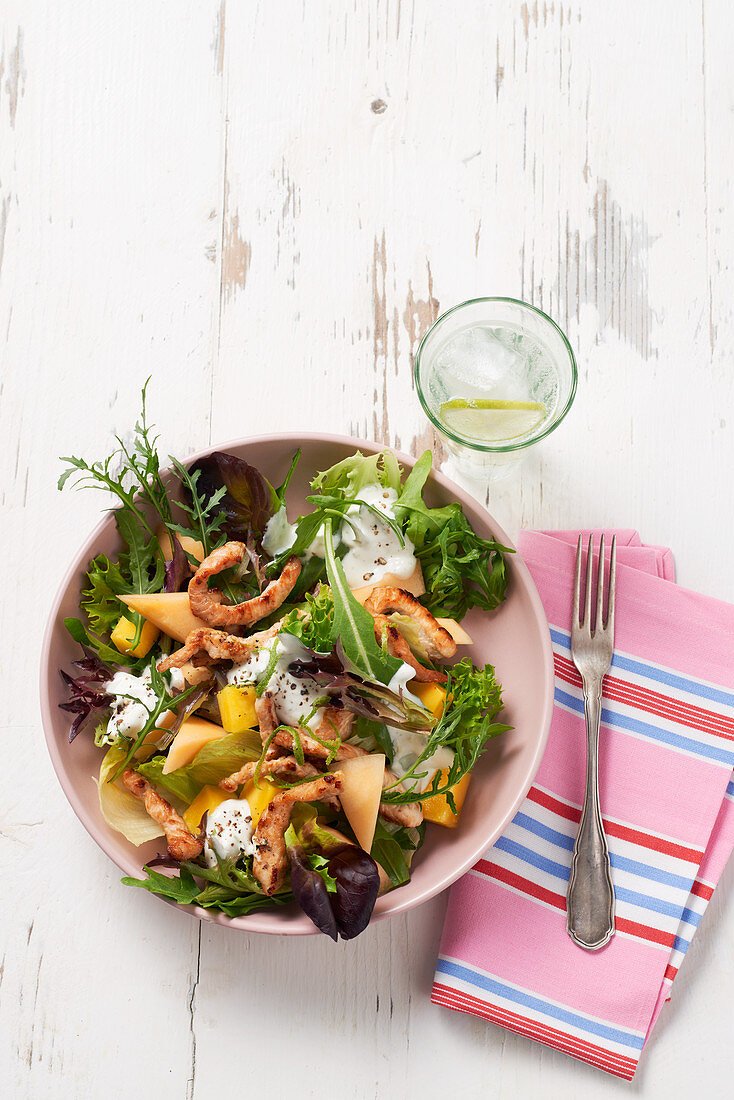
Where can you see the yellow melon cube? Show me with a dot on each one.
(237, 708)
(432, 696)
(259, 797)
(205, 802)
(123, 636)
(438, 810)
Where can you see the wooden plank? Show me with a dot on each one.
(110, 138)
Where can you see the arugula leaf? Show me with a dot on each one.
(282, 489)
(421, 522)
(182, 888)
(227, 874)
(136, 479)
(205, 516)
(213, 762)
(354, 626)
(353, 473)
(141, 556)
(465, 726)
(106, 653)
(230, 889)
(462, 570)
(99, 598)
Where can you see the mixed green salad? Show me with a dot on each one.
(280, 698)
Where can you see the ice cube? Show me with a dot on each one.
(476, 363)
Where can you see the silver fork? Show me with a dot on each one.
(590, 909)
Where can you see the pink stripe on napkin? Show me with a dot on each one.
(667, 793)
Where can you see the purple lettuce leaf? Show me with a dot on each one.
(357, 886)
(86, 696)
(248, 502)
(177, 569)
(309, 890)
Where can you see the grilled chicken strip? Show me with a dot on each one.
(206, 603)
(219, 645)
(436, 641)
(181, 843)
(270, 861)
(398, 647)
(407, 813)
(285, 766)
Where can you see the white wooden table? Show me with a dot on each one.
(263, 205)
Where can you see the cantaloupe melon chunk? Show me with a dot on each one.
(456, 630)
(193, 735)
(169, 611)
(189, 545)
(413, 583)
(360, 794)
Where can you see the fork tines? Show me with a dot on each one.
(600, 624)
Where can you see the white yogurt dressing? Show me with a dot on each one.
(134, 701)
(229, 832)
(294, 697)
(407, 747)
(374, 548)
(279, 534)
(317, 548)
(399, 683)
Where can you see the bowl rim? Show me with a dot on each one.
(258, 922)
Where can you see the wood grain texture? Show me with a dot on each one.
(264, 205)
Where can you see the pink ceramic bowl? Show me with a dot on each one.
(515, 639)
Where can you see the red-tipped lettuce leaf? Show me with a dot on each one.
(248, 501)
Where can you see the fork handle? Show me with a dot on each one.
(590, 907)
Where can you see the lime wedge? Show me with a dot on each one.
(490, 420)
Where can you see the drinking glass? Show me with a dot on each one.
(494, 376)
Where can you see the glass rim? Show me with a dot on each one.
(489, 448)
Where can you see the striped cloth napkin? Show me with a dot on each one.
(666, 759)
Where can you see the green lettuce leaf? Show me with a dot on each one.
(353, 473)
(393, 847)
(99, 599)
(213, 762)
(122, 810)
(355, 627)
(106, 653)
(180, 888)
(313, 624)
